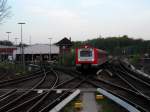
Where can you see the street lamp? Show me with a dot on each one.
(16, 41)
(21, 47)
(8, 35)
(50, 49)
(7, 45)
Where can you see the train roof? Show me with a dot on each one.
(102, 51)
(89, 46)
(86, 46)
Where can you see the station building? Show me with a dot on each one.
(64, 45)
(37, 52)
(65, 49)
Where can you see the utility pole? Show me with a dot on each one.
(22, 48)
(7, 45)
(50, 49)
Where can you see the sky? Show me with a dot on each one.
(78, 19)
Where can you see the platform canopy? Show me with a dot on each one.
(39, 49)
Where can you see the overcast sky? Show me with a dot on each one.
(79, 19)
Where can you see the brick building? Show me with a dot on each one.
(64, 45)
(6, 52)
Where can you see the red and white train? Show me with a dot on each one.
(89, 57)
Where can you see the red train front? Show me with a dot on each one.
(89, 57)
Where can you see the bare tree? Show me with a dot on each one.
(4, 10)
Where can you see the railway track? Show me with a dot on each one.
(65, 94)
(11, 82)
(130, 96)
(105, 77)
(38, 102)
(127, 92)
(16, 101)
(43, 101)
(138, 98)
(136, 74)
(48, 100)
(20, 97)
(4, 74)
(138, 85)
(29, 100)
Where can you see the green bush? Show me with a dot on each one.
(135, 59)
(12, 67)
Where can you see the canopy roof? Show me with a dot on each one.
(39, 49)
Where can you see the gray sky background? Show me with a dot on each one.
(79, 19)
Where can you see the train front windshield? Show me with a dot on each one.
(87, 53)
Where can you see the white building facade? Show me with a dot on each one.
(37, 52)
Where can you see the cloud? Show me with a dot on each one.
(97, 3)
(81, 19)
(91, 3)
(54, 14)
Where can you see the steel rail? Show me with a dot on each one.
(124, 78)
(12, 103)
(127, 82)
(126, 98)
(3, 76)
(21, 106)
(136, 74)
(134, 77)
(18, 80)
(102, 81)
(38, 103)
(61, 97)
(8, 93)
(123, 75)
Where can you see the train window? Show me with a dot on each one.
(85, 53)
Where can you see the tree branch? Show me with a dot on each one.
(4, 10)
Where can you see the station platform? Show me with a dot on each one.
(89, 102)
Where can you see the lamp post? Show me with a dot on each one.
(16, 41)
(22, 48)
(8, 35)
(50, 49)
